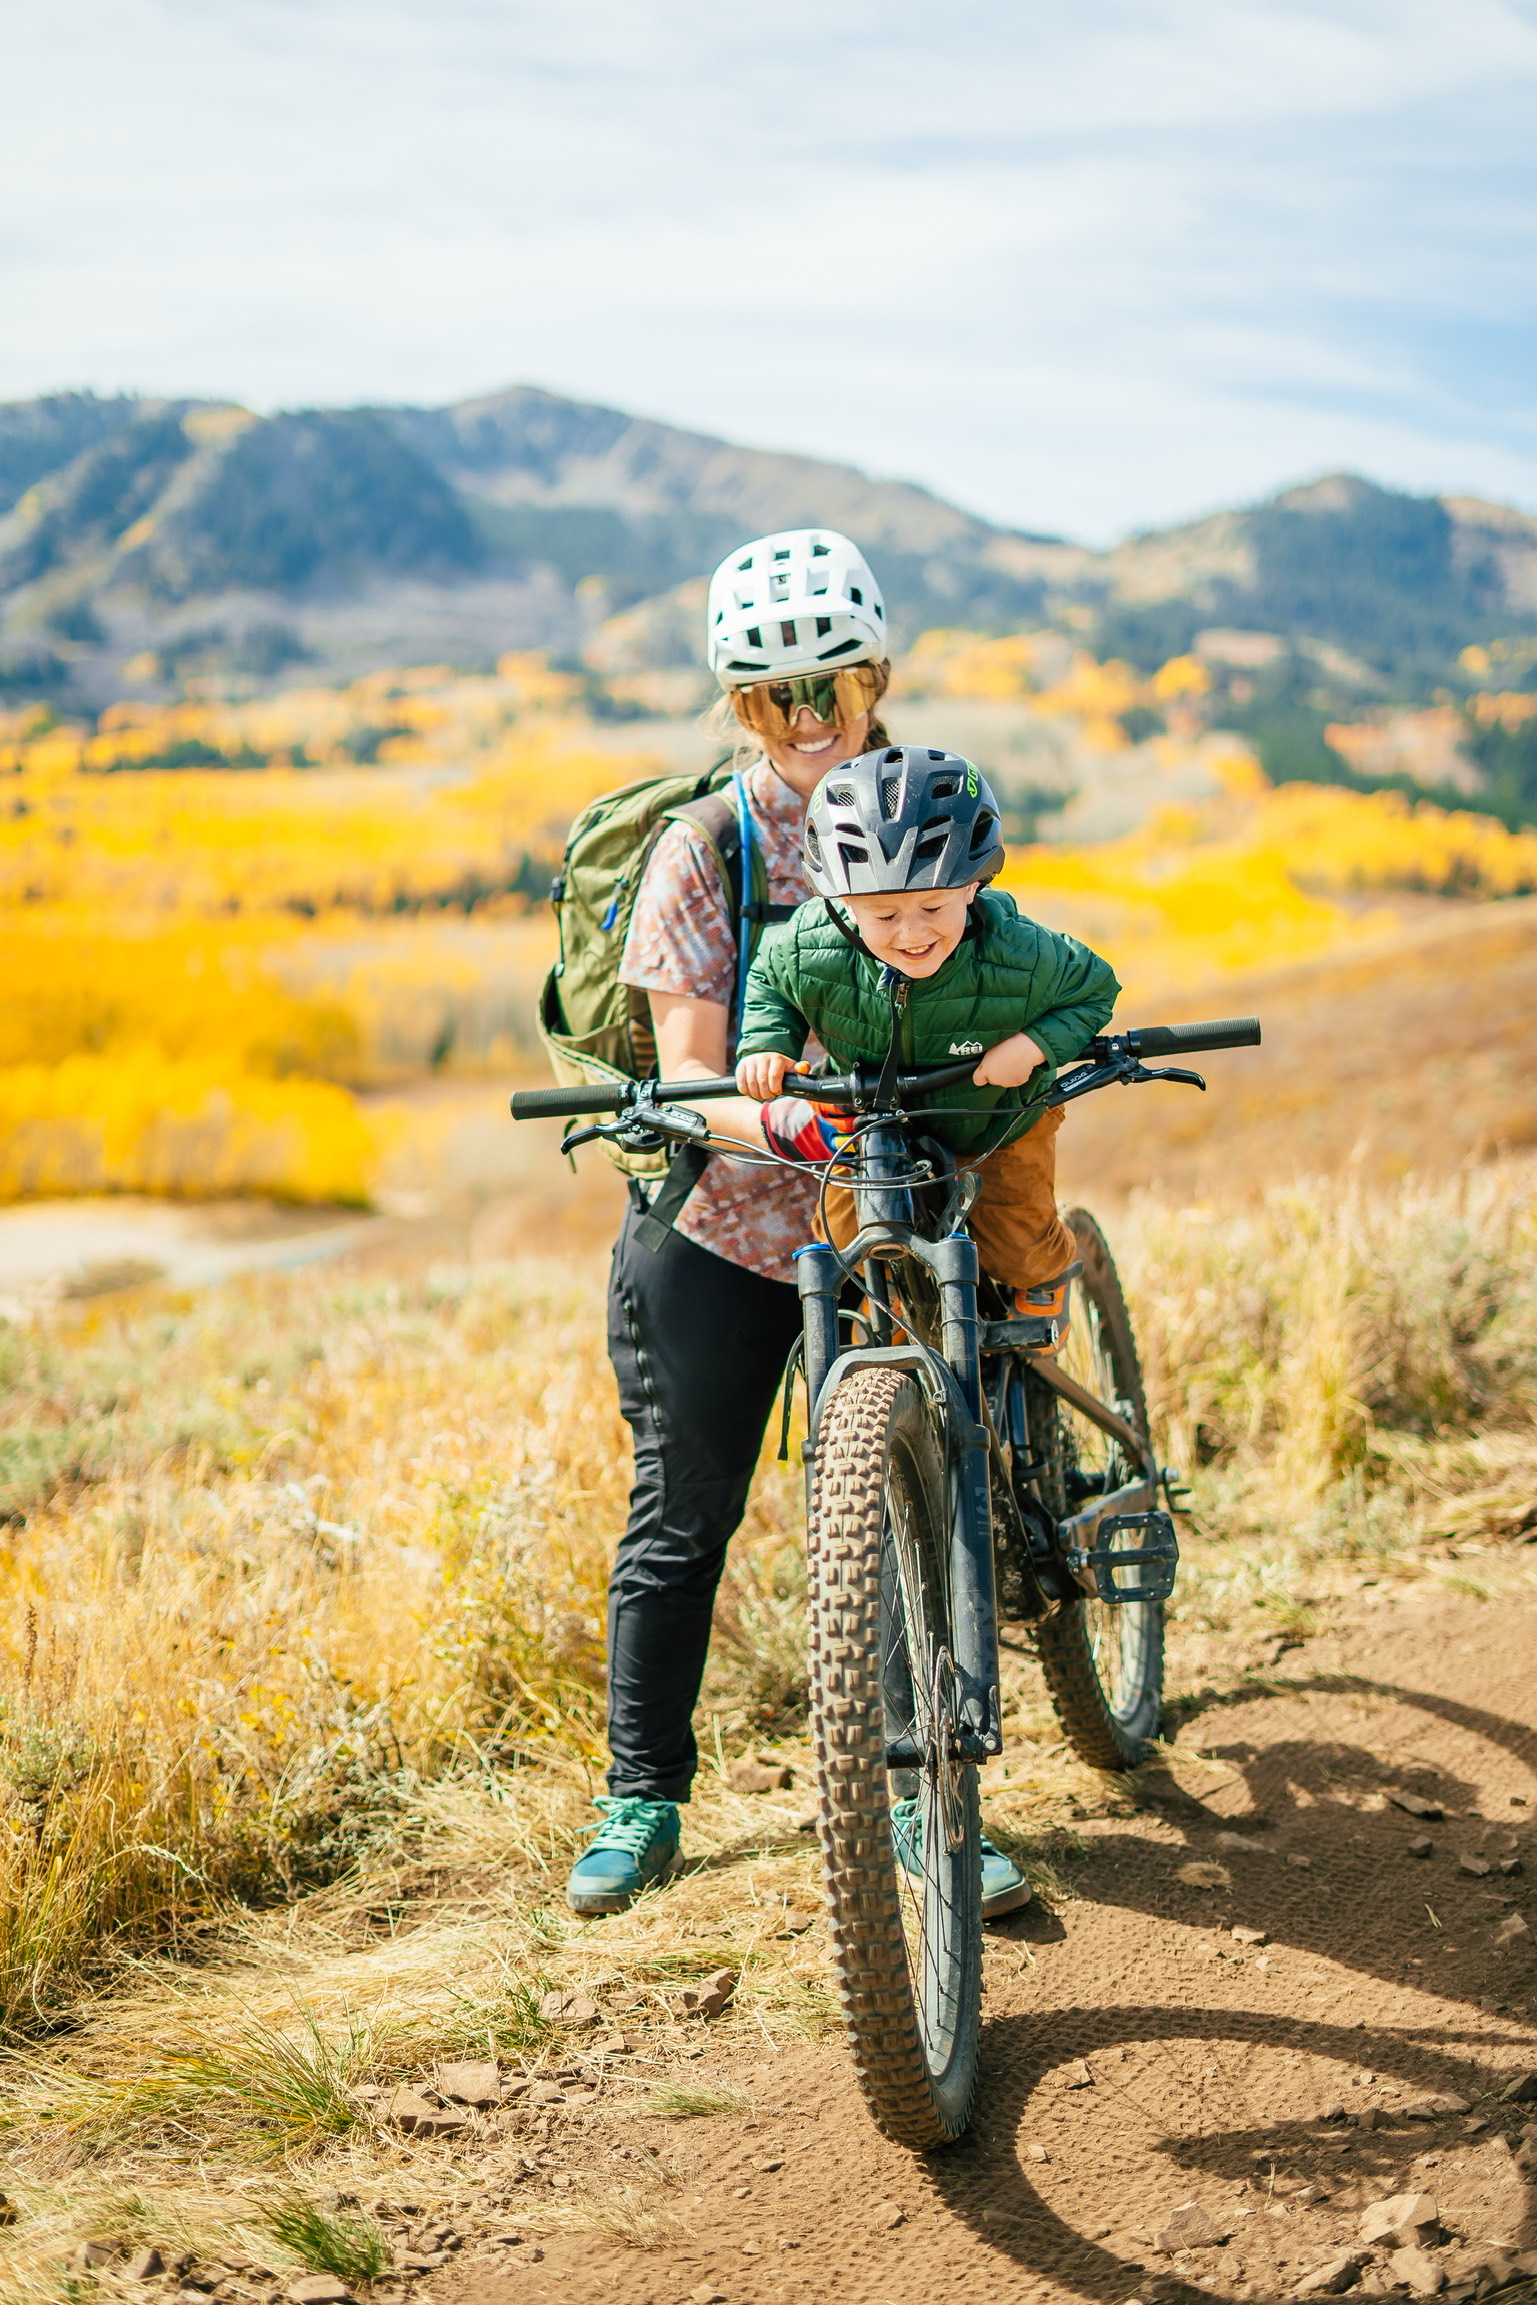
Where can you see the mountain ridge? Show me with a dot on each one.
(140, 538)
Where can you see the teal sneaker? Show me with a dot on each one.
(1004, 1887)
(634, 1848)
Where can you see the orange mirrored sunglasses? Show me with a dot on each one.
(769, 707)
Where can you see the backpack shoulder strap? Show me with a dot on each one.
(718, 816)
(722, 817)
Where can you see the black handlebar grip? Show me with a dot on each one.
(1189, 1039)
(564, 1103)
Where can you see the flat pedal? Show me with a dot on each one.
(1158, 1556)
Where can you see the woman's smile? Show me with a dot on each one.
(812, 736)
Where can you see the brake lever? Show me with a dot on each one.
(644, 1127)
(1170, 1072)
(568, 1144)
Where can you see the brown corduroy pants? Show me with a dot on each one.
(1021, 1240)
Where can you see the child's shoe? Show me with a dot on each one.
(1046, 1302)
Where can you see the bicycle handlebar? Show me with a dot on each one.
(568, 1103)
(1145, 1040)
(1187, 1039)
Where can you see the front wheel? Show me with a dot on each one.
(1103, 1660)
(901, 1845)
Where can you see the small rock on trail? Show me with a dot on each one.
(468, 2083)
(574, 2011)
(708, 1999)
(1403, 2218)
(758, 1777)
(1328, 2280)
(1192, 2226)
(407, 2109)
(1415, 1805)
(1416, 2269)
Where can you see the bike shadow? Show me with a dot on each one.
(981, 2183)
(1363, 1902)
(1362, 1899)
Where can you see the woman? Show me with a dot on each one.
(700, 1326)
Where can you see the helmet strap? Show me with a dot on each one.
(841, 925)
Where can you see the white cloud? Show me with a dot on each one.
(1083, 268)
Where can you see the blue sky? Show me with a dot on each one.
(1087, 266)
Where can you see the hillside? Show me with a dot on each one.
(144, 542)
(1412, 1056)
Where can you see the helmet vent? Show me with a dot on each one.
(819, 552)
(891, 793)
(824, 627)
(926, 850)
(787, 633)
(841, 795)
(842, 649)
(856, 596)
(944, 788)
(851, 855)
(984, 832)
(755, 638)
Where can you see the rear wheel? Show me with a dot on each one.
(1103, 1660)
(907, 1939)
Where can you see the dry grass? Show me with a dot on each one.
(301, 1611)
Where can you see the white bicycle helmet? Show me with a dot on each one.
(803, 601)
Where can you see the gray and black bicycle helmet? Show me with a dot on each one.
(901, 818)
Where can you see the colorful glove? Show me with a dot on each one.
(797, 1130)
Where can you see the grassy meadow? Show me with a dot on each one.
(301, 1577)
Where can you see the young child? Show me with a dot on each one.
(900, 843)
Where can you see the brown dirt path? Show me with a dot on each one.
(1137, 2055)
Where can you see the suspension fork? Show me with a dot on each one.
(952, 1381)
(973, 1598)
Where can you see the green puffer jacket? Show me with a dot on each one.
(1013, 976)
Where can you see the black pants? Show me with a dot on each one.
(698, 1346)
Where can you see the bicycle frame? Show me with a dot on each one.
(954, 1373)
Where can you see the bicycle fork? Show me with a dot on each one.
(952, 1381)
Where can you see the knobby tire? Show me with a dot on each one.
(909, 1964)
(1103, 1662)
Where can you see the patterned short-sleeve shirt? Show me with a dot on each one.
(681, 941)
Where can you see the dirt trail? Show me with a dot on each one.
(1137, 2055)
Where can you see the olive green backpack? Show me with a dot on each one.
(596, 1030)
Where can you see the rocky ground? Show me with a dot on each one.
(1266, 2031)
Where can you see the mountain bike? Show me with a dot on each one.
(960, 1467)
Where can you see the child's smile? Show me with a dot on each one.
(914, 930)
